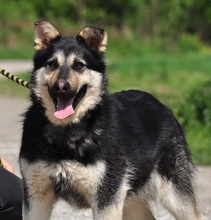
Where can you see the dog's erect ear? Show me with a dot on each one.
(95, 38)
(44, 32)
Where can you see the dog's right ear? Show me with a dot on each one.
(44, 32)
(95, 38)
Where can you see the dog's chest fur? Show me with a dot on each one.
(64, 159)
(72, 181)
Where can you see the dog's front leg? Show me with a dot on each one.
(37, 209)
(38, 196)
(38, 203)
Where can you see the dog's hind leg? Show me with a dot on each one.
(136, 209)
(181, 204)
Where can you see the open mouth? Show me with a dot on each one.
(65, 106)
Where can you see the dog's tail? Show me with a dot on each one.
(15, 78)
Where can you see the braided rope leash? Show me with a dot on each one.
(14, 78)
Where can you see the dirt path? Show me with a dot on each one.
(10, 133)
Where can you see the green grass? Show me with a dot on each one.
(199, 140)
(10, 88)
(170, 77)
(16, 53)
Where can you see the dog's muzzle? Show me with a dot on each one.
(65, 98)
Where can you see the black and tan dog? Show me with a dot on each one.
(113, 153)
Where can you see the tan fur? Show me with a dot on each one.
(44, 32)
(136, 209)
(74, 79)
(162, 189)
(85, 179)
(172, 203)
(40, 191)
(51, 76)
(95, 38)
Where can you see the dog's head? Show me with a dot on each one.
(69, 72)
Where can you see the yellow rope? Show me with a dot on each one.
(14, 78)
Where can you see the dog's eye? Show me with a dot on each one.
(78, 65)
(52, 64)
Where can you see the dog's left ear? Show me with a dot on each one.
(44, 32)
(95, 38)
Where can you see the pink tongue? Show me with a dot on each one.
(64, 109)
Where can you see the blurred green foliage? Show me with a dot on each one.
(195, 117)
(190, 43)
(197, 106)
(200, 98)
(156, 21)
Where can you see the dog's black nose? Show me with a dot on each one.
(61, 88)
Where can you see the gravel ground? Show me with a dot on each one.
(10, 132)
